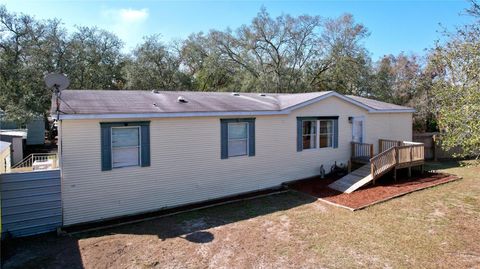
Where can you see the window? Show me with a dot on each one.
(309, 134)
(125, 146)
(317, 132)
(237, 137)
(326, 133)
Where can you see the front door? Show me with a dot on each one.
(357, 129)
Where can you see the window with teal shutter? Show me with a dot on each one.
(125, 144)
(317, 132)
(237, 137)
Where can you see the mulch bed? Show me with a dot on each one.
(384, 189)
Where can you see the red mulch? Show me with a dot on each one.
(384, 189)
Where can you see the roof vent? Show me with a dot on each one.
(154, 91)
(235, 94)
(262, 95)
(181, 99)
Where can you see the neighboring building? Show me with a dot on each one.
(5, 158)
(128, 152)
(35, 130)
(17, 138)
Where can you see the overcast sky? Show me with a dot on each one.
(395, 26)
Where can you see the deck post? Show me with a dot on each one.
(353, 150)
(372, 170)
(371, 151)
(380, 148)
(349, 166)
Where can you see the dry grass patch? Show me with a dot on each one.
(433, 228)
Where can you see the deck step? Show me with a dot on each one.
(353, 181)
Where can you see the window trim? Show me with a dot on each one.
(139, 146)
(247, 139)
(106, 146)
(334, 134)
(251, 130)
(315, 134)
(318, 133)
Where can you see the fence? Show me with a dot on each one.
(433, 150)
(30, 202)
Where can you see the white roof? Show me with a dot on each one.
(17, 132)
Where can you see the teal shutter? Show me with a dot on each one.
(224, 139)
(145, 145)
(106, 146)
(335, 133)
(251, 137)
(299, 135)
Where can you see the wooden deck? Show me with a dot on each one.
(394, 155)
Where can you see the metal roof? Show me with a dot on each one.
(93, 103)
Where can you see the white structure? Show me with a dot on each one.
(17, 139)
(5, 158)
(128, 152)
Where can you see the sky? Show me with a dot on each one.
(394, 26)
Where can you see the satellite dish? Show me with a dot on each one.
(58, 82)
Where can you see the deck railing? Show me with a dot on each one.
(36, 158)
(362, 151)
(383, 162)
(410, 152)
(384, 144)
(404, 154)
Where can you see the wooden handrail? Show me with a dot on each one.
(406, 152)
(381, 163)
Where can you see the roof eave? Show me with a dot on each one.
(168, 115)
(192, 114)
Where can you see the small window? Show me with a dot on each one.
(125, 146)
(237, 139)
(326, 134)
(309, 137)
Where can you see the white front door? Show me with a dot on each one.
(357, 129)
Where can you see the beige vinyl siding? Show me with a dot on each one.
(186, 166)
(394, 126)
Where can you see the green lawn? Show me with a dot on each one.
(432, 228)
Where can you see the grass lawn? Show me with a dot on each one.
(432, 228)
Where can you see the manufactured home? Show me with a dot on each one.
(130, 152)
